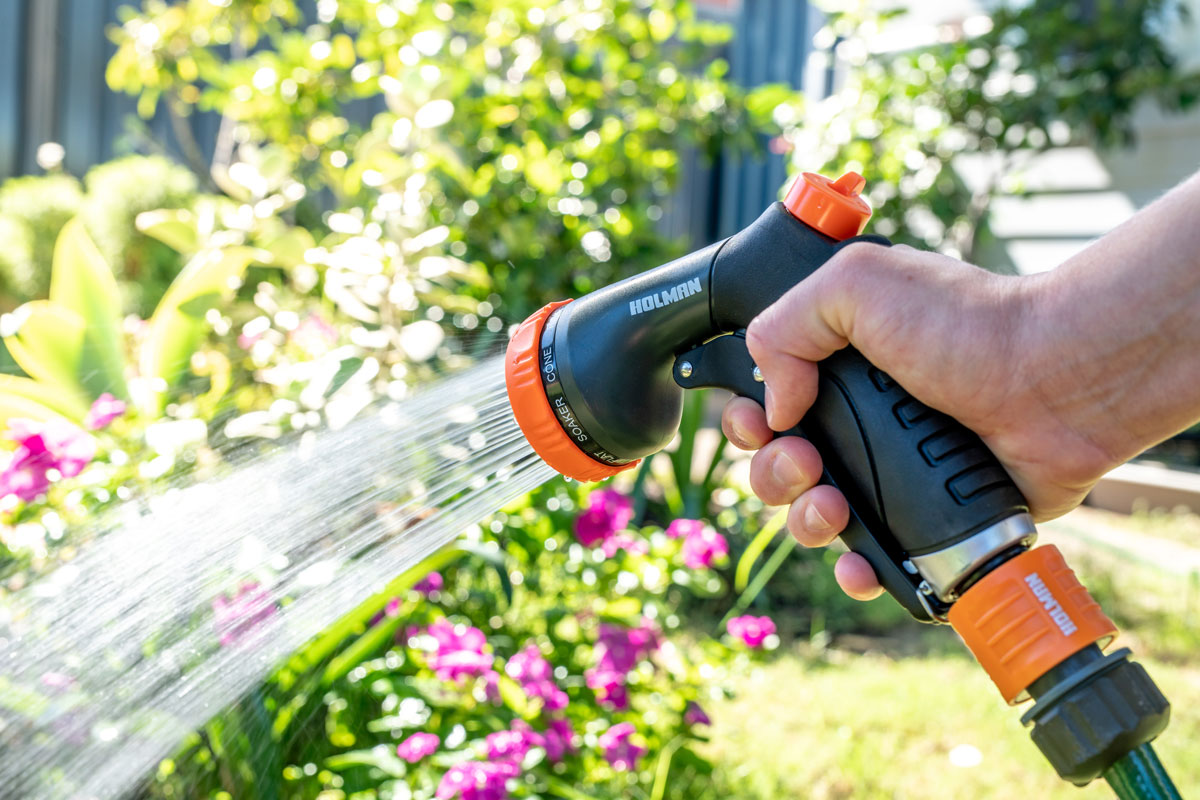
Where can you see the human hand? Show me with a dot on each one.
(958, 338)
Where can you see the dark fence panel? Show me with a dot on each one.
(771, 45)
(12, 77)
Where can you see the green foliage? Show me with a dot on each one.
(117, 192)
(73, 346)
(548, 134)
(32, 212)
(1045, 73)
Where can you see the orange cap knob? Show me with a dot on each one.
(1027, 615)
(531, 407)
(835, 208)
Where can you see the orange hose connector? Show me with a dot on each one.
(1025, 617)
(531, 407)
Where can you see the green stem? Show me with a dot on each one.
(758, 544)
(663, 768)
(785, 546)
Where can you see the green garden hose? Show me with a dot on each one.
(1139, 775)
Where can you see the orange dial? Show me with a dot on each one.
(835, 208)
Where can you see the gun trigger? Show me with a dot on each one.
(720, 363)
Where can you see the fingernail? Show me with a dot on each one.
(769, 405)
(813, 519)
(785, 470)
(738, 434)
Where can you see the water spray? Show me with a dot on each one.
(596, 384)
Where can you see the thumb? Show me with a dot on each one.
(811, 322)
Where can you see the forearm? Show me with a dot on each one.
(1120, 330)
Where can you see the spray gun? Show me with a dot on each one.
(596, 385)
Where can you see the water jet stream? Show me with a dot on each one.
(108, 662)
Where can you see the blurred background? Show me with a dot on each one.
(296, 212)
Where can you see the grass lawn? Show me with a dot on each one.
(841, 725)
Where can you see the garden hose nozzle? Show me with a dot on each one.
(596, 384)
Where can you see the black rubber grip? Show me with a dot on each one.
(929, 480)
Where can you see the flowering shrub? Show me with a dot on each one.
(532, 665)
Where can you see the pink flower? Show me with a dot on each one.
(451, 637)
(558, 739)
(103, 411)
(618, 747)
(704, 546)
(55, 445)
(460, 652)
(622, 540)
(234, 617)
(694, 715)
(535, 675)
(512, 745)
(58, 681)
(528, 666)
(684, 528)
(609, 687)
(607, 512)
(477, 780)
(433, 582)
(620, 648)
(751, 630)
(314, 335)
(417, 746)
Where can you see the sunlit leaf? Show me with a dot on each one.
(288, 249)
(174, 227)
(82, 282)
(178, 323)
(54, 401)
(47, 342)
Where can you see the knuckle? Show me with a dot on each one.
(759, 336)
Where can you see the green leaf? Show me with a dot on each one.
(376, 637)
(624, 609)
(174, 227)
(82, 282)
(289, 248)
(383, 758)
(757, 545)
(564, 789)
(48, 344)
(53, 401)
(495, 559)
(178, 323)
(515, 698)
(357, 619)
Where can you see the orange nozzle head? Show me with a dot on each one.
(835, 208)
(531, 407)
(1025, 617)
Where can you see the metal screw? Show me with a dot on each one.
(685, 369)
(758, 375)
